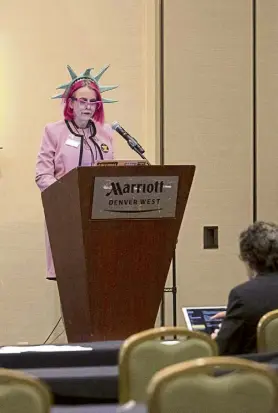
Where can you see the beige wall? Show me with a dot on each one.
(37, 40)
(267, 119)
(208, 123)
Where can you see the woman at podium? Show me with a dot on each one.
(81, 138)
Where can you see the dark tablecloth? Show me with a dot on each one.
(82, 377)
(78, 385)
(112, 408)
(93, 385)
(271, 358)
(104, 353)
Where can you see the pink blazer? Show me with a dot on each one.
(57, 155)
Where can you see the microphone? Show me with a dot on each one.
(130, 140)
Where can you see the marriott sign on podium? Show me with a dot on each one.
(139, 197)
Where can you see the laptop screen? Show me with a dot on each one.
(199, 318)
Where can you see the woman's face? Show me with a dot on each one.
(83, 104)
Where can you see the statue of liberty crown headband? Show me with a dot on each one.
(86, 75)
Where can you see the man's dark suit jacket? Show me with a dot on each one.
(247, 303)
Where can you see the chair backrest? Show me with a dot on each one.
(143, 354)
(267, 332)
(193, 387)
(20, 393)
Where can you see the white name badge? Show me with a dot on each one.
(73, 142)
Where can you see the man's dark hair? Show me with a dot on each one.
(259, 247)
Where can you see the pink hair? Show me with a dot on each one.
(68, 112)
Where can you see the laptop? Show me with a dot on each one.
(199, 318)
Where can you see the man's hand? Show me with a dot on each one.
(221, 314)
(215, 334)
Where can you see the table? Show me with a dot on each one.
(78, 385)
(103, 353)
(113, 408)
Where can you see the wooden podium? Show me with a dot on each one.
(113, 231)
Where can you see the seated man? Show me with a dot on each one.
(249, 301)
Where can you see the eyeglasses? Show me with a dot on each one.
(85, 103)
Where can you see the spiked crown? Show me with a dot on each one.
(85, 75)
